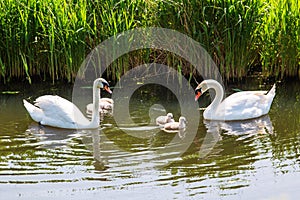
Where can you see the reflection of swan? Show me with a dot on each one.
(56, 138)
(99, 164)
(162, 120)
(50, 137)
(58, 112)
(244, 129)
(261, 125)
(238, 106)
(175, 126)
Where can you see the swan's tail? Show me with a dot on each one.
(272, 92)
(270, 97)
(35, 113)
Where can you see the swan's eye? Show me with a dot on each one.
(105, 84)
(198, 90)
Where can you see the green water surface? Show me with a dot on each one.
(253, 159)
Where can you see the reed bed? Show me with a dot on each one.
(49, 39)
(278, 38)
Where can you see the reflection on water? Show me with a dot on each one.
(49, 137)
(242, 129)
(261, 125)
(252, 159)
(55, 138)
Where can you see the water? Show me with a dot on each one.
(254, 159)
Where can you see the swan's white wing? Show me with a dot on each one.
(104, 104)
(244, 105)
(161, 120)
(171, 126)
(60, 112)
(107, 100)
(243, 93)
(35, 113)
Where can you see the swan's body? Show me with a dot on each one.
(58, 112)
(175, 126)
(162, 120)
(238, 106)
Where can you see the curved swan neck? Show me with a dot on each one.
(219, 94)
(95, 111)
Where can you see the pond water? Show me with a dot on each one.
(253, 159)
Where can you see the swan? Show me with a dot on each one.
(162, 120)
(175, 126)
(238, 106)
(55, 111)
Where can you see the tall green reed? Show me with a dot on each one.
(50, 34)
(223, 27)
(50, 39)
(279, 42)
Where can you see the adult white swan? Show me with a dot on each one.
(58, 112)
(238, 106)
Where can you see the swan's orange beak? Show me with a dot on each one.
(107, 89)
(198, 94)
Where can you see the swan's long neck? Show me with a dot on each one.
(95, 111)
(218, 96)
